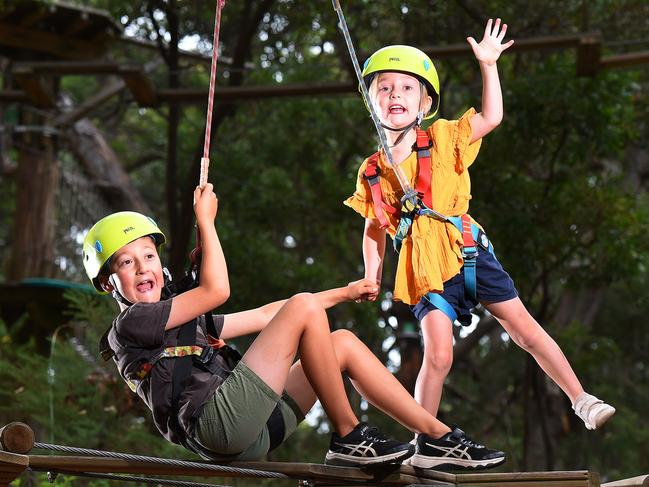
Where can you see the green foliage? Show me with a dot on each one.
(554, 185)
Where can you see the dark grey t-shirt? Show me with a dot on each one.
(137, 337)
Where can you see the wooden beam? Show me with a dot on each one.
(199, 95)
(139, 85)
(24, 38)
(625, 60)
(35, 87)
(391, 475)
(69, 67)
(589, 52)
(579, 478)
(532, 44)
(641, 481)
(11, 466)
(13, 96)
(110, 90)
(16, 438)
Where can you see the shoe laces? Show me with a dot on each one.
(465, 440)
(374, 434)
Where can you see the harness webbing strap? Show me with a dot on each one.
(180, 377)
(422, 146)
(372, 176)
(441, 304)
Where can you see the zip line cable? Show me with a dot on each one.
(409, 193)
(130, 478)
(410, 200)
(161, 461)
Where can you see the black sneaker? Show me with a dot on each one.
(366, 445)
(455, 450)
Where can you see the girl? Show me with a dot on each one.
(446, 263)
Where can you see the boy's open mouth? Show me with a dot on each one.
(145, 286)
(396, 109)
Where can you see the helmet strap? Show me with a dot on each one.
(169, 288)
(116, 294)
(403, 130)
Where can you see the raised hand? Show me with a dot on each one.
(205, 203)
(491, 45)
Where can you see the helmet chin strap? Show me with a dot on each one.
(116, 294)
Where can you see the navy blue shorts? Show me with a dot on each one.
(493, 285)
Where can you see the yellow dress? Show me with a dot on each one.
(432, 253)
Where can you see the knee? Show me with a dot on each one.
(528, 336)
(526, 332)
(306, 306)
(438, 361)
(345, 341)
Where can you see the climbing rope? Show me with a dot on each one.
(129, 478)
(409, 193)
(161, 461)
(205, 160)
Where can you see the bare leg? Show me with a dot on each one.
(370, 377)
(302, 325)
(530, 336)
(437, 331)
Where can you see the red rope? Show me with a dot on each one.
(205, 160)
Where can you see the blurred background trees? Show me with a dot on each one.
(561, 187)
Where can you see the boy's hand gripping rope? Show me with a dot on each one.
(205, 160)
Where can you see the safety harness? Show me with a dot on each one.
(216, 358)
(472, 235)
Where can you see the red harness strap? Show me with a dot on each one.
(422, 146)
(371, 175)
(467, 234)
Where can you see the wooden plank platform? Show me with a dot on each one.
(641, 481)
(580, 478)
(17, 440)
(12, 465)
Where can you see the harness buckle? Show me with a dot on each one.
(469, 253)
(419, 148)
(372, 178)
(206, 356)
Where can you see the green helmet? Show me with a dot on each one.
(110, 234)
(409, 60)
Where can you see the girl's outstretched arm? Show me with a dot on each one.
(487, 53)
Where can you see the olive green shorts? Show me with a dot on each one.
(233, 421)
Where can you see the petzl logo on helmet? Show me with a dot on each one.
(396, 59)
(129, 229)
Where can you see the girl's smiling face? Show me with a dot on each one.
(137, 271)
(398, 98)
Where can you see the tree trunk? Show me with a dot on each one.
(37, 176)
(104, 169)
